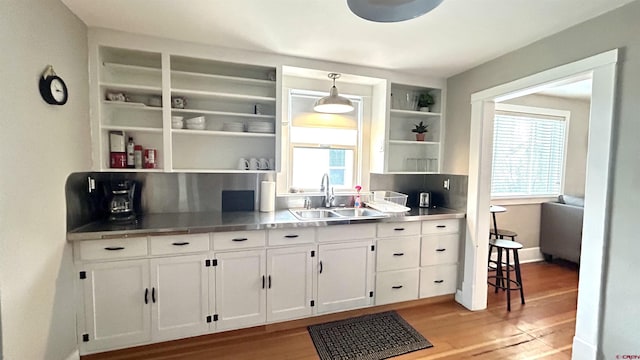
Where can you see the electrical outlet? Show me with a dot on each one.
(446, 184)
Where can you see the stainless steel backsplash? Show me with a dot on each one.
(193, 192)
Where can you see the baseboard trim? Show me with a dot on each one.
(527, 255)
(582, 350)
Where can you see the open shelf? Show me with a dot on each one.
(222, 113)
(220, 95)
(222, 133)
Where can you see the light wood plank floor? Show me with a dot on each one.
(543, 328)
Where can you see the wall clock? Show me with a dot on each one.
(52, 88)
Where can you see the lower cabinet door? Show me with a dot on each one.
(345, 275)
(396, 286)
(240, 283)
(180, 297)
(117, 305)
(438, 280)
(289, 282)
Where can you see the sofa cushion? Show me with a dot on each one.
(571, 200)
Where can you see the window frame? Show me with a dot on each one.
(357, 148)
(531, 110)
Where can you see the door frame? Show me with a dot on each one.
(473, 294)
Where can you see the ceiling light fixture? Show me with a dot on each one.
(391, 10)
(334, 103)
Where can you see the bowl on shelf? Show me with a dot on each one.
(177, 122)
(196, 126)
(196, 120)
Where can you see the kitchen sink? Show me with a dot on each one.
(337, 214)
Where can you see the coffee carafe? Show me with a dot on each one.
(121, 204)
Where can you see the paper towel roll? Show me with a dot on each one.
(267, 196)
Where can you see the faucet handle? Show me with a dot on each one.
(307, 203)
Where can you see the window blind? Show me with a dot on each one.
(528, 155)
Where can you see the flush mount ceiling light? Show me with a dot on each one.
(334, 103)
(391, 10)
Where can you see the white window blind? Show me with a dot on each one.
(528, 154)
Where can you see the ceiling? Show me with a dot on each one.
(456, 36)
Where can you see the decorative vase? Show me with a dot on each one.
(420, 137)
(424, 108)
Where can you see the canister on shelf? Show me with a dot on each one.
(150, 156)
(137, 156)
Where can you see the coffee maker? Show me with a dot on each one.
(121, 197)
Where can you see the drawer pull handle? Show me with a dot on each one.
(239, 239)
(441, 226)
(440, 250)
(114, 248)
(291, 236)
(320, 264)
(263, 281)
(438, 281)
(398, 229)
(398, 254)
(153, 295)
(397, 287)
(269, 282)
(146, 295)
(180, 243)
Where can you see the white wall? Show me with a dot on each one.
(40, 145)
(616, 29)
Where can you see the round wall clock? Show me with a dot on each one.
(52, 88)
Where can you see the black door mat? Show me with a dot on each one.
(368, 337)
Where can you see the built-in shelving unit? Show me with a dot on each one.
(395, 149)
(129, 87)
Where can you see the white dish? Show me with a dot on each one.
(177, 118)
(196, 120)
(177, 124)
(196, 126)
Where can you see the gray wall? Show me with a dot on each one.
(616, 29)
(40, 145)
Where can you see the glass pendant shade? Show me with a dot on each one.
(334, 103)
(391, 10)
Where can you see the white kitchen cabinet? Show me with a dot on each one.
(396, 286)
(180, 296)
(290, 282)
(240, 283)
(221, 92)
(439, 255)
(394, 149)
(117, 304)
(345, 275)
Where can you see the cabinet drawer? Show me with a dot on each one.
(112, 248)
(291, 236)
(238, 239)
(346, 232)
(439, 249)
(398, 253)
(399, 229)
(438, 280)
(395, 286)
(441, 226)
(179, 244)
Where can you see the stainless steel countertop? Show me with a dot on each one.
(202, 222)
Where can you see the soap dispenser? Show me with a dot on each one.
(357, 202)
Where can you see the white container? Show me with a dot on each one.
(267, 196)
(196, 120)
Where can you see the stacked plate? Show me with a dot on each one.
(261, 127)
(196, 123)
(233, 126)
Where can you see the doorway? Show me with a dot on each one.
(473, 294)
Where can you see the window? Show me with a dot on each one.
(528, 151)
(322, 143)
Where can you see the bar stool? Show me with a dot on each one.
(503, 278)
(503, 233)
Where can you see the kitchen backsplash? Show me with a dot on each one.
(194, 192)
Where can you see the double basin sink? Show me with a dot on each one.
(337, 214)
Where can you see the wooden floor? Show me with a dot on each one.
(543, 328)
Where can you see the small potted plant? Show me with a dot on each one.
(420, 130)
(425, 101)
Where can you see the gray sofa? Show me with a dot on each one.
(561, 228)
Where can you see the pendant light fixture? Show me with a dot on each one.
(334, 103)
(391, 10)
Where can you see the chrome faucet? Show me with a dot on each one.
(328, 193)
